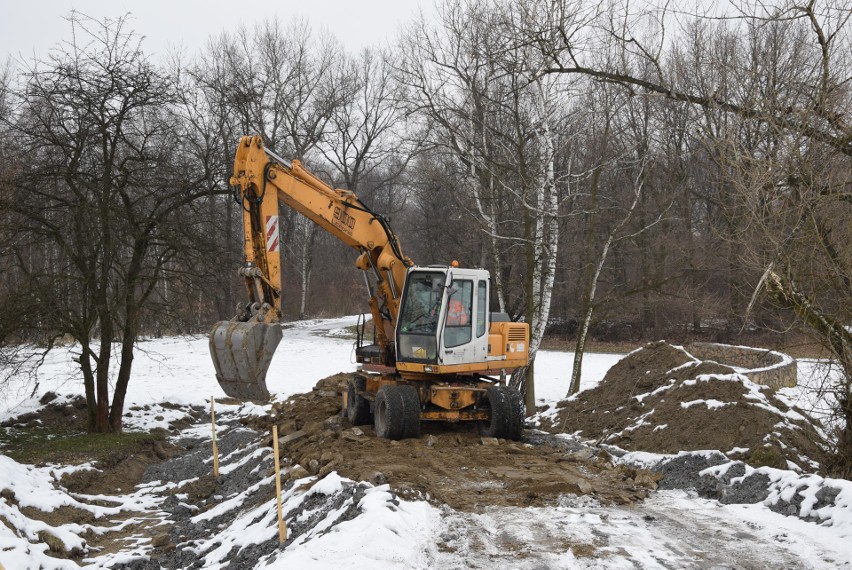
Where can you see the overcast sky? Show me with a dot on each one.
(37, 25)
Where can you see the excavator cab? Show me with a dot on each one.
(443, 316)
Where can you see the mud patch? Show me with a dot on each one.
(448, 464)
(121, 472)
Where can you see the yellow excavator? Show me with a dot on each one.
(438, 353)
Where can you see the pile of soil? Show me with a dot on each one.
(663, 400)
(449, 463)
(55, 414)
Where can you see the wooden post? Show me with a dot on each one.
(215, 449)
(282, 526)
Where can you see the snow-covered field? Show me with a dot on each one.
(673, 529)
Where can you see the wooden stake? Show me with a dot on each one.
(282, 526)
(215, 449)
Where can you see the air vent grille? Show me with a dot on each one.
(517, 334)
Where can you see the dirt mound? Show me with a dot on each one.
(55, 413)
(448, 464)
(661, 399)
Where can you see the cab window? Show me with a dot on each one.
(481, 307)
(418, 323)
(457, 323)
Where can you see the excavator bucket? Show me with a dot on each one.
(241, 354)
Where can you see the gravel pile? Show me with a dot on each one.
(246, 469)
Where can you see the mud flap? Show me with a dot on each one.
(241, 354)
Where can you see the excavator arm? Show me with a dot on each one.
(242, 348)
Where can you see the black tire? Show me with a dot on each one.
(507, 415)
(516, 414)
(357, 406)
(389, 420)
(411, 402)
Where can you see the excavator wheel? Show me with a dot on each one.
(389, 413)
(507, 414)
(411, 421)
(357, 407)
(516, 414)
(397, 412)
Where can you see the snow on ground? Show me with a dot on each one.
(671, 529)
(179, 369)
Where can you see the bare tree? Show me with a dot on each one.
(772, 81)
(367, 130)
(285, 83)
(487, 106)
(97, 200)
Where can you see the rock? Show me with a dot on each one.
(8, 494)
(313, 466)
(356, 431)
(160, 540)
(287, 427)
(647, 479)
(489, 441)
(583, 486)
(295, 436)
(327, 394)
(334, 423)
(430, 441)
(378, 478)
(297, 472)
(48, 397)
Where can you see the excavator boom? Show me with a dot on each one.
(242, 348)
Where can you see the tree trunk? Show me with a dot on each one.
(89, 383)
(838, 339)
(102, 379)
(589, 301)
(128, 341)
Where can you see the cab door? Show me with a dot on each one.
(464, 337)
